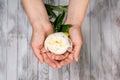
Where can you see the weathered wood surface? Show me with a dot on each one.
(100, 53)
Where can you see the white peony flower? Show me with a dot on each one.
(58, 43)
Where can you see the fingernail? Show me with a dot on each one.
(59, 66)
(76, 59)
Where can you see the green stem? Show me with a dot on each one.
(58, 20)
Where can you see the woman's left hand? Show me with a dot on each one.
(68, 57)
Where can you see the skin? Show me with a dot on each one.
(41, 28)
(75, 17)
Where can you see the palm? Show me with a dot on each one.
(68, 57)
(76, 37)
(37, 43)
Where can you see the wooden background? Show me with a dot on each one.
(100, 53)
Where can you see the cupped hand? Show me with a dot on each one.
(58, 57)
(68, 57)
(76, 38)
(39, 33)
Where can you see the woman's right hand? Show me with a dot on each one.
(39, 33)
(41, 28)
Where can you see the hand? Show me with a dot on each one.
(53, 63)
(75, 15)
(68, 57)
(58, 57)
(76, 37)
(39, 34)
(41, 27)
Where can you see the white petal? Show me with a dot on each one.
(58, 43)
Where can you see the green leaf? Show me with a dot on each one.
(50, 13)
(58, 26)
(65, 27)
(58, 21)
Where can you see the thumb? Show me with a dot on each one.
(76, 37)
(76, 52)
(38, 54)
(37, 44)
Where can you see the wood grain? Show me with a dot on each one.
(54, 74)
(22, 40)
(100, 53)
(84, 60)
(115, 38)
(12, 40)
(105, 65)
(3, 39)
(96, 48)
(33, 69)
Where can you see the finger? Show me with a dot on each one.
(48, 61)
(67, 60)
(43, 50)
(50, 57)
(77, 41)
(37, 41)
(57, 64)
(61, 57)
(38, 55)
(76, 52)
(66, 54)
(49, 54)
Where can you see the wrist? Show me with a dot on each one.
(40, 24)
(74, 24)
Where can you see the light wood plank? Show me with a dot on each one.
(63, 2)
(43, 72)
(115, 38)
(85, 50)
(65, 72)
(43, 68)
(22, 59)
(81, 70)
(3, 39)
(33, 63)
(12, 40)
(101, 56)
(55, 72)
(105, 72)
(22, 44)
(95, 41)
